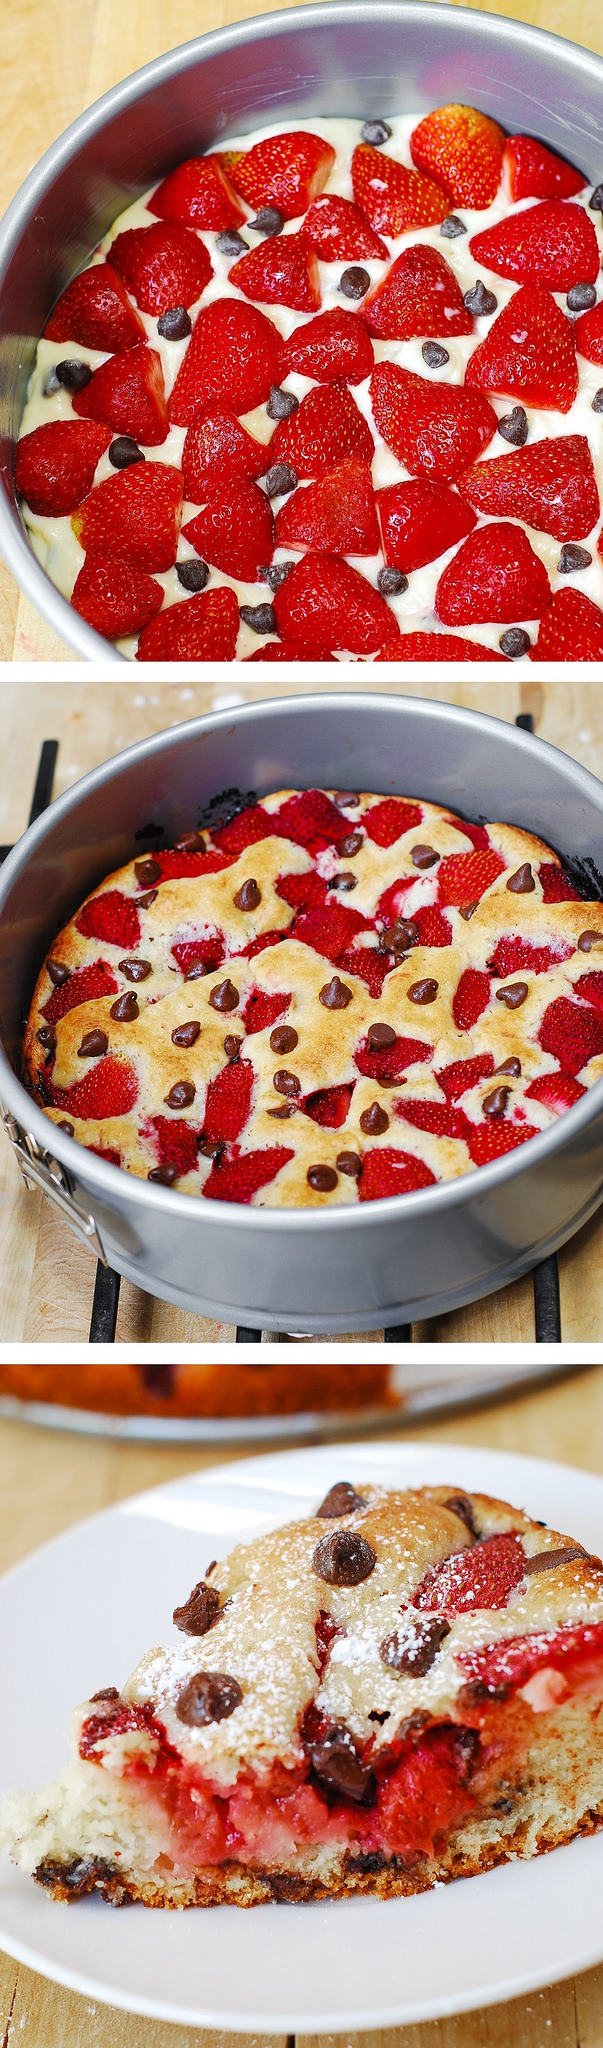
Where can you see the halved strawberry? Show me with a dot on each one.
(109, 1088)
(476, 833)
(329, 1107)
(85, 986)
(55, 465)
(335, 515)
(419, 295)
(531, 171)
(555, 884)
(286, 171)
(436, 1117)
(557, 1091)
(463, 149)
(235, 530)
(111, 917)
(433, 928)
(330, 930)
(174, 865)
(289, 650)
(200, 193)
(203, 628)
(327, 427)
(471, 998)
(334, 346)
(301, 891)
(177, 1142)
(420, 520)
(95, 311)
(370, 966)
(495, 575)
(327, 603)
(461, 1075)
(134, 517)
(246, 829)
(551, 244)
(233, 357)
(228, 1100)
(339, 232)
(572, 1032)
(483, 1575)
(310, 820)
(210, 950)
(571, 630)
(512, 955)
(217, 451)
(259, 945)
(263, 1009)
(588, 334)
(238, 1180)
(590, 987)
(114, 597)
(508, 1664)
(435, 429)
(464, 877)
(393, 198)
(128, 392)
(391, 903)
(491, 1140)
(529, 352)
(552, 485)
(385, 822)
(162, 266)
(109, 1153)
(282, 271)
(389, 1062)
(437, 647)
(388, 1172)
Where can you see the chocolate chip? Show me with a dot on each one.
(511, 1066)
(280, 479)
(341, 1499)
(377, 132)
(125, 1010)
(423, 856)
(73, 374)
(92, 1043)
(399, 936)
(588, 940)
(479, 300)
(144, 902)
(343, 1558)
(124, 451)
(260, 617)
(514, 642)
(379, 1035)
(514, 426)
(581, 298)
(345, 799)
(232, 1046)
(165, 1175)
(58, 972)
(109, 1692)
(281, 404)
(284, 1110)
(248, 896)
(338, 1764)
(392, 582)
(208, 1696)
(597, 404)
(198, 970)
(191, 842)
(572, 557)
(452, 226)
(147, 872)
(212, 1148)
(181, 1095)
(468, 910)
(548, 1560)
(322, 1178)
(186, 1034)
(175, 324)
(350, 845)
(354, 282)
(47, 1036)
(283, 1038)
(348, 1162)
(135, 970)
(286, 1083)
(496, 1103)
(199, 1611)
(343, 882)
(230, 243)
(268, 221)
(275, 573)
(434, 356)
(66, 1126)
(459, 1504)
(522, 882)
(596, 199)
(413, 1646)
(192, 575)
(334, 994)
(514, 995)
(423, 991)
(374, 1120)
(225, 996)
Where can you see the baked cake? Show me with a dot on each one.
(328, 998)
(402, 1689)
(332, 392)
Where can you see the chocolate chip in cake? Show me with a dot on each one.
(514, 995)
(392, 582)
(260, 617)
(423, 856)
(47, 1036)
(548, 1560)
(350, 845)
(510, 1066)
(284, 1110)
(180, 1095)
(208, 1696)
(479, 300)
(199, 1612)
(338, 1764)
(187, 1034)
(144, 902)
(230, 243)
(423, 991)
(581, 297)
(434, 356)
(124, 452)
(192, 575)
(198, 969)
(521, 883)
(334, 994)
(268, 221)
(597, 404)
(514, 642)
(589, 940)
(225, 996)
(413, 1646)
(399, 936)
(345, 799)
(343, 1558)
(322, 1178)
(596, 199)
(275, 573)
(107, 1692)
(343, 882)
(135, 970)
(232, 1046)
(452, 226)
(165, 1175)
(514, 426)
(460, 1505)
(376, 132)
(572, 558)
(248, 896)
(379, 1035)
(374, 1120)
(58, 972)
(286, 1083)
(341, 1499)
(281, 404)
(283, 1038)
(175, 324)
(349, 1162)
(93, 1043)
(354, 282)
(495, 1104)
(281, 478)
(73, 374)
(147, 872)
(467, 910)
(125, 1010)
(191, 842)
(66, 1126)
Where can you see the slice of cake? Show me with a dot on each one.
(403, 1688)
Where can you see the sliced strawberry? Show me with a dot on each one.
(302, 892)
(481, 1576)
(435, 429)
(260, 945)
(289, 650)
(393, 198)
(464, 877)
(556, 886)
(476, 833)
(217, 451)
(386, 822)
(462, 1075)
(333, 347)
(495, 575)
(188, 952)
(438, 647)
(330, 931)
(235, 530)
(134, 517)
(326, 602)
(531, 171)
(329, 1107)
(233, 357)
(589, 986)
(282, 271)
(107, 1152)
(339, 232)
(370, 966)
(95, 311)
(572, 629)
(238, 1180)
(175, 865)
(471, 998)
(111, 917)
(557, 1091)
(391, 903)
(388, 1172)
(200, 193)
(128, 392)
(246, 829)
(177, 1142)
(419, 521)
(463, 150)
(285, 171)
(55, 465)
(327, 427)
(572, 1032)
(432, 927)
(85, 986)
(335, 515)
(551, 244)
(419, 295)
(511, 956)
(588, 334)
(529, 352)
(390, 1061)
(114, 597)
(310, 820)
(263, 1010)
(162, 266)
(508, 1664)
(109, 1088)
(228, 1101)
(492, 1140)
(203, 628)
(551, 485)
(436, 1117)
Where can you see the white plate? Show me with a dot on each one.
(79, 1614)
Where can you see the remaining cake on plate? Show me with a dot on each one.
(404, 1688)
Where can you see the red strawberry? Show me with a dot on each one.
(202, 628)
(529, 352)
(112, 918)
(199, 193)
(420, 520)
(436, 1117)
(330, 931)
(217, 451)
(177, 1142)
(495, 575)
(262, 1010)
(285, 171)
(471, 998)
(435, 429)
(327, 602)
(238, 1180)
(532, 172)
(289, 650)
(491, 1141)
(282, 271)
(327, 427)
(463, 149)
(391, 903)
(107, 1152)
(464, 877)
(432, 927)
(551, 244)
(551, 485)
(335, 346)
(235, 530)
(329, 1107)
(370, 966)
(109, 1088)
(339, 232)
(461, 1075)
(476, 833)
(510, 1663)
(228, 1101)
(511, 956)
(556, 886)
(266, 939)
(211, 951)
(393, 198)
(589, 986)
(246, 829)
(572, 630)
(134, 517)
(162, 266)
(387, 1172)
(310, 820)
(233, 357)
(390, 1061)
(128, 392)
(386, 822)
(557, 1091)
(85, 986)
(175, 865)
(55, 465)
(481, 1576)
(419, 295)
(335, 515)
(302, 892)
(572, 1032)
(438, 647)
(588, 334)
(114, 597)
(95, 311)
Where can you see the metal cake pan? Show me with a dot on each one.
(361, 57)
(338, 1269)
